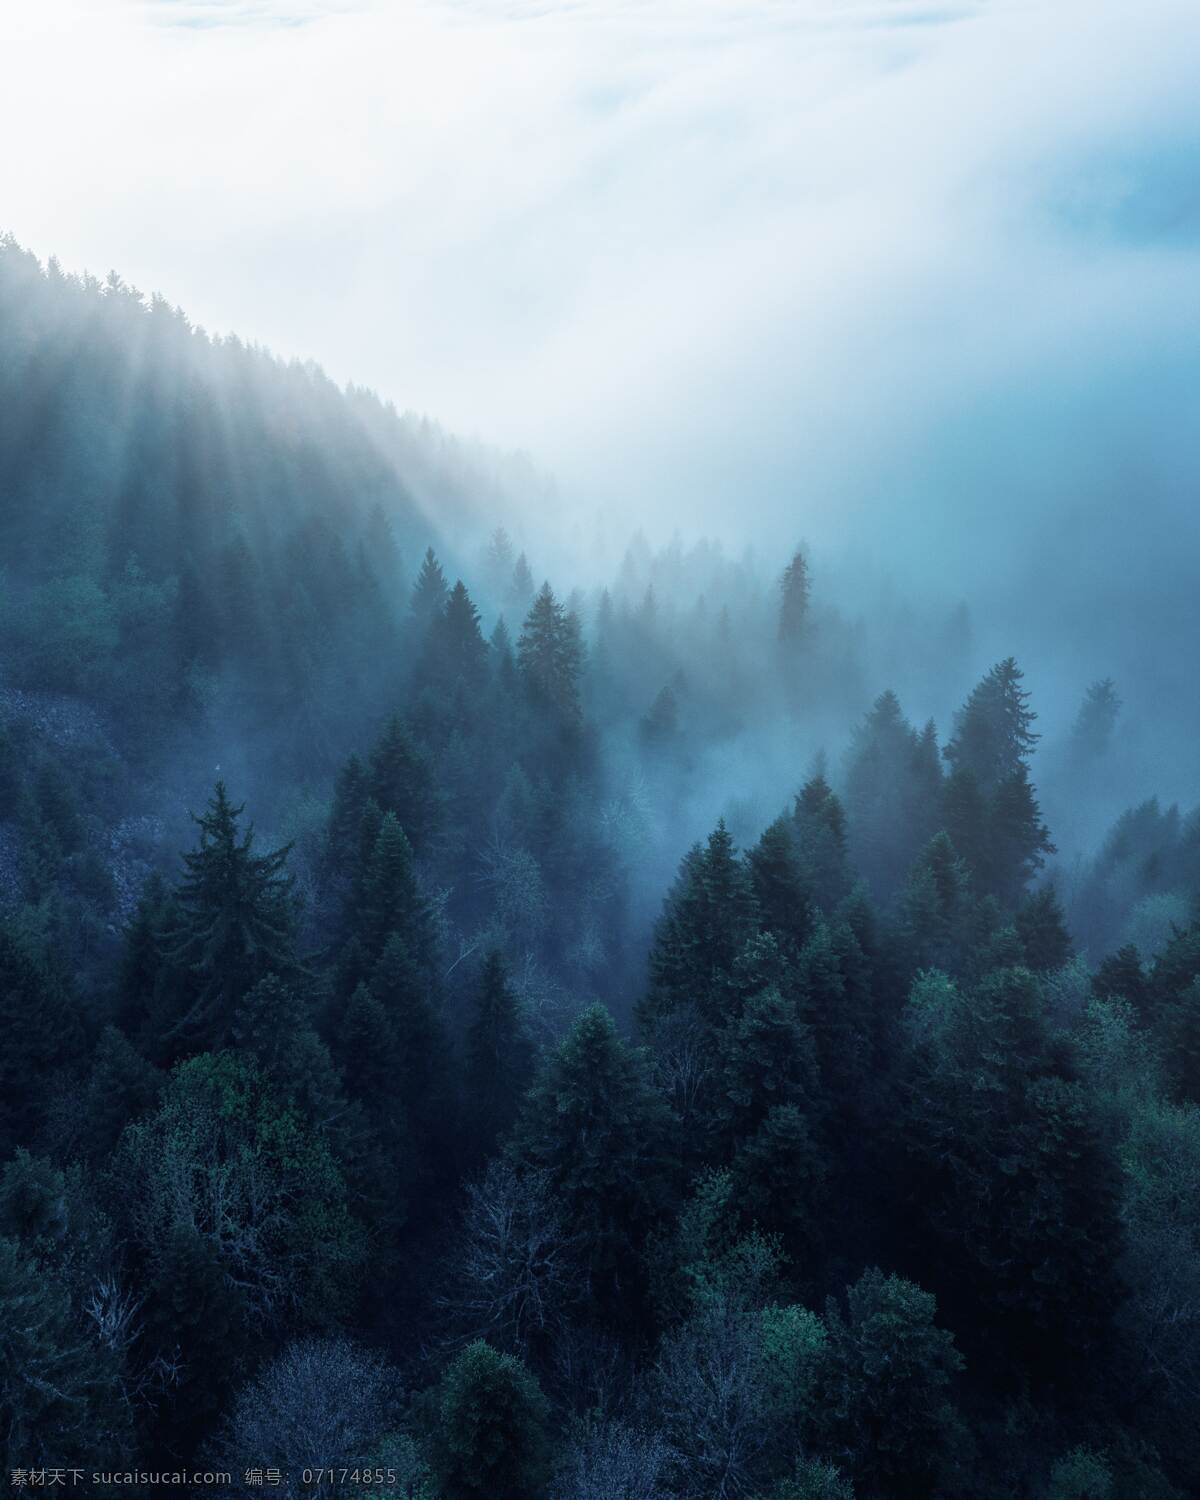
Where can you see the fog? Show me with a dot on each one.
(913, 286)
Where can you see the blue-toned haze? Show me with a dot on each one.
(921, 280)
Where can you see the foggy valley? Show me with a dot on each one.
(599, 809)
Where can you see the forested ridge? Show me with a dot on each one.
(431, 1099)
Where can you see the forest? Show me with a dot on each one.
(594, 1038)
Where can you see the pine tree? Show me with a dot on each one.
(121, 1087)
(766, 1113)
(1042, 928)
(274, 1025)
(381, 549)
(390, 902)
(457, 644)
(993, 731)
(1096, 721)
(520, 590)
(658, 729)
(342, 833)
(892, 786)
(498, 560)
(781, 891)
(235, 925)
(499, 1060)
(401, 782)
(819, 821)
(706, 921)
(1018, 839)
(420, 1076)
(550, 654)
(429, 591)
(795, 589)
(492, 1429)
(887, 1392)
(966, 822)
(593, 1123)
(936, 909)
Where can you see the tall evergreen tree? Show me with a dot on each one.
(499, 1061)
(429, 591)
(819, 821)
(235, 926)
(390, 901)
(794, 588)
(781, 891)
(550, 654)
(401, 781)
(520, 590)
(1096, 721)
(593, 1123)
(706, 920)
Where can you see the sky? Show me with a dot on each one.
(919, 277)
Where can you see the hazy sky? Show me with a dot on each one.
(774, 265)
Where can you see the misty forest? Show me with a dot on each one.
(517, 1027)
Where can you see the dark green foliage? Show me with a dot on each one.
(1041, 926)
(592, 1122)
(936, 908)
(781, 891)
(706, 920)
(42, 1032)
(499, 1056)
(550, 656)
(390, 902)
(400, 781)
(59, 1392)
(491, 1429)
(235, 927)
(236, 1184)
(888, 1391)
(1016, 1182)
(993, 731)
(820, 828)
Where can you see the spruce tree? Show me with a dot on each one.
(350, 794)
(1096, 722)
(993, 731)
(456, 642)
(429, 591)
(550, 655)
(235, 925)
(401, 781)
(819, 822)
(390, 901)
(520, 590)
(887, 1406)
(1041, 926)
(781, 890)
(499, 1061)
(937, 909)
(794, 588)
(593, 1123)
(706, 920)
